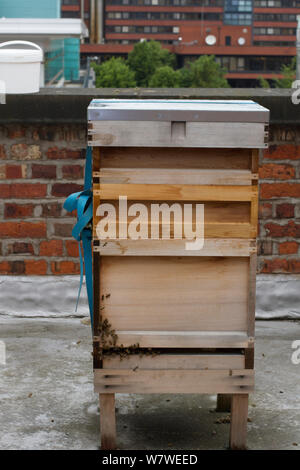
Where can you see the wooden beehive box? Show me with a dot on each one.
(181, 320)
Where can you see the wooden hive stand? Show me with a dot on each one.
(182, 321)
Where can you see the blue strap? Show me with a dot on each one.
(83, 202)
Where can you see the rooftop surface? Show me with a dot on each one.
(47, 398)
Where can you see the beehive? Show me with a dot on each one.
(181, 320)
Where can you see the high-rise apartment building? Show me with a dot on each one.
(250, 38)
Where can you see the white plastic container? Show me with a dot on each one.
(20, 68)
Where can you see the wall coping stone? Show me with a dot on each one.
(69, 105)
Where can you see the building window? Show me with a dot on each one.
(228, 40)
(237, 19)
(238, 12)
(284, 17)
(70, 2)
(169, 3)
(277, 3)
(164, 15)
(274, 31)
(252, 64)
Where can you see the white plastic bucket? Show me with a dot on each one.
(20, 68)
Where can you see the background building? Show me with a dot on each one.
(251, 38)
(30, 8)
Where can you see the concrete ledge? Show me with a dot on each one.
(278, 296)
(69, 105)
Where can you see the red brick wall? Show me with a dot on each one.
(279, 210)
(41, 165)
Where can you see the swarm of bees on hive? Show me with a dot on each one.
(108, 341)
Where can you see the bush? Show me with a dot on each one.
(114, 73)
(165, 77)
(145, 58)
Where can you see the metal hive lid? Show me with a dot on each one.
(177, 110)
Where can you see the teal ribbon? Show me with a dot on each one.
(82, 202)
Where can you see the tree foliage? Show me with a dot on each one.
(149, 64)
(263, 83)
(114, 73)
(289, 75)
(145, 58)
(205, 72)
(165, 77)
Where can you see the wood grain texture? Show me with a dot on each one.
(107, 421)
(174, 176)
(238, 425)
(161, 134)
(174, 192)
(221, 219)
(177, 361)
(176, 158)
(252, 294)
(173, 381)
(173, 293)
(212, 247)
(184, 339)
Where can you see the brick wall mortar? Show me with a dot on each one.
(279, 223)
(35, 231)
(36, 164)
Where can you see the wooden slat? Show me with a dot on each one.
(252, 294)
(239, 419)
(226, 134)
(162, 134)
(176, 361)
(175, 176)
(134, 133)
(107, 421)
(184, 339)
(173, 381)
(221, 220)
(176, 158)
(211, 230)
(174, 192)
(214, 212)
(212, 247)
(229, 230)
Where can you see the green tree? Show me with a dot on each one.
(289, 75)
(205, 72)
(263, 83)
(114, 73)
(165, 77)
(145, 58)
(185, 77)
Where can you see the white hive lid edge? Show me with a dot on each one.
(177, 110)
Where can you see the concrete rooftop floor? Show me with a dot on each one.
(47, 399)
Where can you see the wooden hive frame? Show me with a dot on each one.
(219, 361)
(195, 308)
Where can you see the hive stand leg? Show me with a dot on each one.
(224, 402)
(239, 418)
(107, 421)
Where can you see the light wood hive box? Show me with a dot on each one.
(168, 319)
